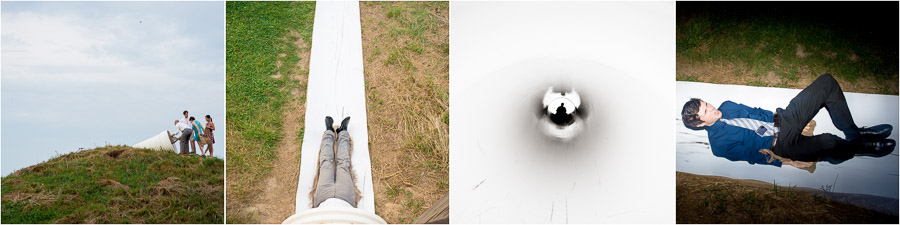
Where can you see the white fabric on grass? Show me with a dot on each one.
(860, 175)
(336, 88)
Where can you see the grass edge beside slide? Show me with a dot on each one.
(259, 48)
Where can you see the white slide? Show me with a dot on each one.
(859, 175)
(508, 167)
(336, 88)
(160, 142)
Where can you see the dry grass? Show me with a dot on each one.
(731, 72)
(406, 59)
(711, 199)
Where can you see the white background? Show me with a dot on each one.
(619, 55)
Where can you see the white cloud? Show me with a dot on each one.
(97, 72)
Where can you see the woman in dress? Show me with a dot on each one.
(195, 125)
(210, 127)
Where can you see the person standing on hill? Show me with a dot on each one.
(196, 127)
(210, 127)
(185, 120)
(185, 131)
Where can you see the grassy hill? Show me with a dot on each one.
(116, 184)
(714, 199)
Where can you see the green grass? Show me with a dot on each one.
(414, 24)
(773, 43)
(260, 34)
(139, 186)
(397, 57)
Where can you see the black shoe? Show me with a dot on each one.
(344, 125)
(329, 123)
(878, 148)
(881, 131)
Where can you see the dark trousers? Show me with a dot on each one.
(823, 92)
(185, 138)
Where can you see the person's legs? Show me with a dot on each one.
(193, 146)
(325, 183)
(185, 137)
(823, 92)
(201, 144)
(814, 148)
(344, 187)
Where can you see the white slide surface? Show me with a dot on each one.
(619, 59)
(160, 142)
(336, 88)
(860, 175)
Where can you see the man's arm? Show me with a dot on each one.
(739, 152)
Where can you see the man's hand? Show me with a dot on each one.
(809, 129)
(799, 164)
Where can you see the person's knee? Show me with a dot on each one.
(827, 78)
(829, 141)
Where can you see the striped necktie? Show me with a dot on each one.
(753, 125)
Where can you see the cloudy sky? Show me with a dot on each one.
(87, 74)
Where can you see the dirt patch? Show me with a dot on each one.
(771, 78)
(853, 57)
(115, 153)
(801, 51)
(276, 199)
(167, 186)
(713, 72)
(406, 61)
(114, 184)
(278, 63)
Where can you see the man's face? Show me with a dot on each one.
(185, 114)
(708, 114)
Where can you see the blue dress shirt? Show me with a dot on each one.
(738, 143)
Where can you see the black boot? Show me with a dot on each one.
(329, 123)
(877, 148)
(344, 125)
(876, 132)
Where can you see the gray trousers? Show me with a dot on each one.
(185, 140)
(334, 170)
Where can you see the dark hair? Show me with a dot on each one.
(208, 117)
(689, 114)
(192, 118)
(185, 112)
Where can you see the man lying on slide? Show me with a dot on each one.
(334, 181)
(738, 132)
